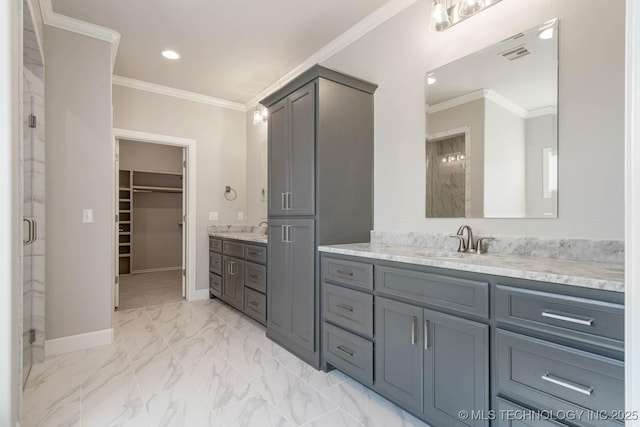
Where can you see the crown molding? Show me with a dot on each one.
(372, 21)
(496, 98)
(176, 93)
(74, 25)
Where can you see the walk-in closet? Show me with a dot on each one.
(150, 218)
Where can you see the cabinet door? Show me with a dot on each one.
(302, 121)
(399, 352)
(278, 157)
(301, 241)
(456, 369)
(233, 282)
(278, 279)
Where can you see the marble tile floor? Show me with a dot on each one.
(196, 364)
(146, 289)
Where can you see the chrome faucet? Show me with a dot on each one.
(263, 222)
(470, 245)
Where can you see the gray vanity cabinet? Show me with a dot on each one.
(399, 347)
(291, 299)
(320, 193)
(233, 282)
(430, 362)
(456, 368)
(292, 154)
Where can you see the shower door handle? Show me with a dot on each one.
(32, 231)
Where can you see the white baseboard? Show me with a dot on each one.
(78, 342)
(155, 270)
(199, 295)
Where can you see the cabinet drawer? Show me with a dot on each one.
(215, 284)
(348, 352)
(256, 276)
(255, 305)
(233, 248)
(215, 263)
(508, 414)
(215, 244)
(583, 319)
(557, 377)
(255, 253)
(348, 308)
(467, 296)
(348, 272)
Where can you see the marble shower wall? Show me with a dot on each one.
(446, 181)
(33, 207)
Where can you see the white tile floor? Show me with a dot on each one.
(196, 364)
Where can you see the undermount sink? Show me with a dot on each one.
(440, 254)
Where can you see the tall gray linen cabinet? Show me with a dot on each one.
(320, 193)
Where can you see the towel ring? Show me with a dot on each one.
(229, 193)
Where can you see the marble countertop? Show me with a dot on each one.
(247, 237)
(597, 275)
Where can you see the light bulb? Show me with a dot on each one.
(265, 114)
(257, 117)
(469, 7)
(440, 16)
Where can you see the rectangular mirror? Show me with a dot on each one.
(492, 130)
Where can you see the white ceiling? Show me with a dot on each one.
(230, 49)
(530, 81)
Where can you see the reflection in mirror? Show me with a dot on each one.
(492, 145)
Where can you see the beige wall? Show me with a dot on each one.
(397, 55)
(256, 171)
(220, 148)
(141, 156)
(79, 152)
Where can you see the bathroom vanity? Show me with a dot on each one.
(238, 271)
(460, 339)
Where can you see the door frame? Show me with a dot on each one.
(189, 146)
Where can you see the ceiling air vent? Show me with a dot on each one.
(515, 53)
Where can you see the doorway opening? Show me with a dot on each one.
(154, 224)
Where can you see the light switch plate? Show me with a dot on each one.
(87, 216)
(213, 216)
(240, 216)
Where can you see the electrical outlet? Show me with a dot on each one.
(213, 216)
(240, 216)
(87, 216)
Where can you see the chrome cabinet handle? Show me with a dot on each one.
(253, 253)
(289, 234)
(29, 231)
(427, 343)
(283, 202)
(288, 201)
(253, 303)
(283, 233)
(345, 307)
(253, 276)
(587, 391)
(35, 230)
(414, 326)
(345, 350)
(345, 273)
(558, 316)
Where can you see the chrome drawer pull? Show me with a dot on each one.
(253, 303)
(414, 326)
(587, 391)
(345, 350)
(253, 276)
(253, 253)
(551, 315)
(345, 273)
(345, 307)
(427, 343)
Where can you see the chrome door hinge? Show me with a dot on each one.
(184, 273)
(32, 121)
(117, 280)
(117, 217)
(184, 163)
(32, 336)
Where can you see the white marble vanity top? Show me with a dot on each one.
(247, 237)
(597, 275)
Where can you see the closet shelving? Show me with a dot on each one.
(125, 202)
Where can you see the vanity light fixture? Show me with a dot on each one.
(260, 115)
(447, 13)
(171, 54)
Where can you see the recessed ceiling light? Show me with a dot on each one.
(170, 54)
